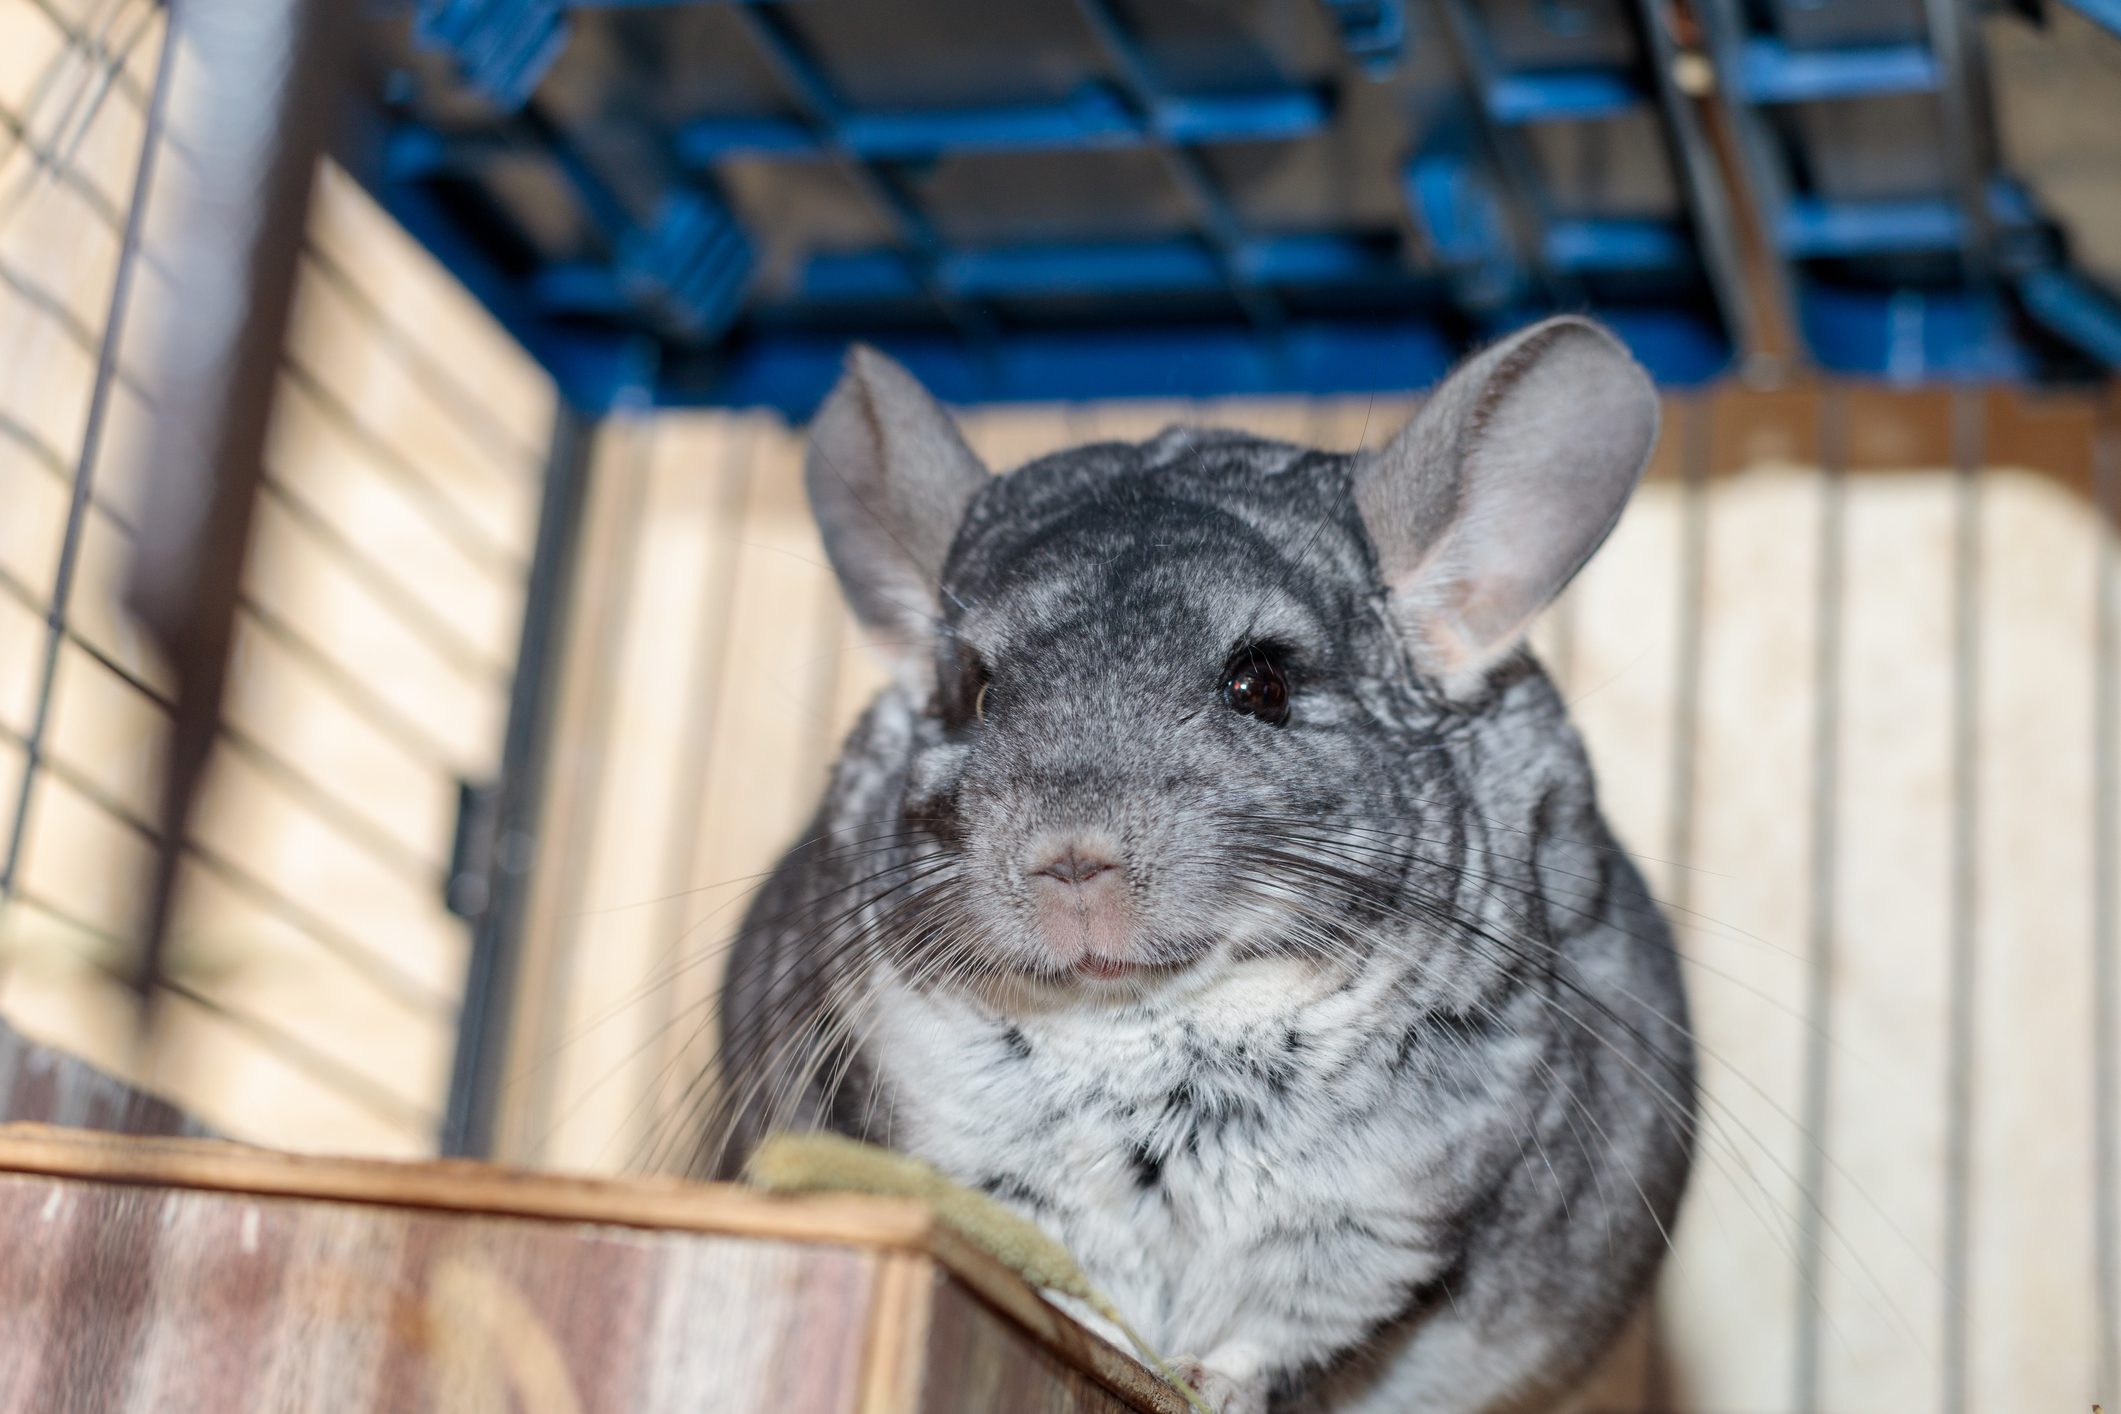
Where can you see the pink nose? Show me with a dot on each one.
(1074, 866)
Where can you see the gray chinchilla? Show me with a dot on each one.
(1221, 884)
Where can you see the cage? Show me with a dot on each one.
(424, 781)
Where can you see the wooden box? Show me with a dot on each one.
(184, 1274)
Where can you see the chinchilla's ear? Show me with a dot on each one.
(889, 481)
(1502, 486)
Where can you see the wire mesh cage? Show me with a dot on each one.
(534, 665)
(324, 846)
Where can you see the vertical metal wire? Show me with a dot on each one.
(1963, 123)
(1695, 430)
(2106, 905)
(493, 972)
(1702, 184)
(1694, 454)
(1968, 409)
(1756, 166)
(1825, 822)
(55, 620)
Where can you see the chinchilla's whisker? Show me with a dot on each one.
(1653, 907)
(1325, 840)
(955, 945)
(1487, 936)
(1377, 832)
(692, 958)
(1316, 878)
(662, 978)
(853, 1001)
(1501, 826)
(1480, 933)
(878, 839)
(1722, 1151)
(1711, 1135)
(823, 933)
(657, 1036)
(1489, 884)
(881, 940)
(873, 1099)
(1331, 931)
(791, 1003)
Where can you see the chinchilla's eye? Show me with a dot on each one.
(970, 694)
(1254, 687)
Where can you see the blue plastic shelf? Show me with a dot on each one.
(1964, 277)
(702, 201)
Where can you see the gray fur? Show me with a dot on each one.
(887, 535)
(1477, 523)
(1399, 1105)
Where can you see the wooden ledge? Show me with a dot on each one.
(911, 1249)
(466, 1186)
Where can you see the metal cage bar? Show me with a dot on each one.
(1964, 943)
(1813, 1226)
(509, 848)
(84, 471)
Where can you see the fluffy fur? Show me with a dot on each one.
(1391, 1103)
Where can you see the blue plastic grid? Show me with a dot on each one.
(615, 180)
(1961, 277)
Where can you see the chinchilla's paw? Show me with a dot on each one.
(1223, 1392)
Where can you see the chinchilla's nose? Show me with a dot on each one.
(1074, 862)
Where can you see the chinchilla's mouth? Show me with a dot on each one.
(1097, 971)
(1153, 964)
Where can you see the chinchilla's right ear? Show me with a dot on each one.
(889, 479)
(1496, 493)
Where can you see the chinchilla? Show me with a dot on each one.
(1220, 883)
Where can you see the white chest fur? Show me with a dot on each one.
(1249, 1164)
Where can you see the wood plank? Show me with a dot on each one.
(977, 1362)
(218, 1268)
(1077, 1347)
(893, 1365)
(142, 1299)
(461, 1186)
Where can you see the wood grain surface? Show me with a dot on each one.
(156, 1274)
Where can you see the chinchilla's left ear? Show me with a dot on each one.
(890, 480)
(1501, 487)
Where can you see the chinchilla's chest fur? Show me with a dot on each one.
(1276, 1157)
(1436, 1186)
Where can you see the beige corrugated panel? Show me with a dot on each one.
(373, 657)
